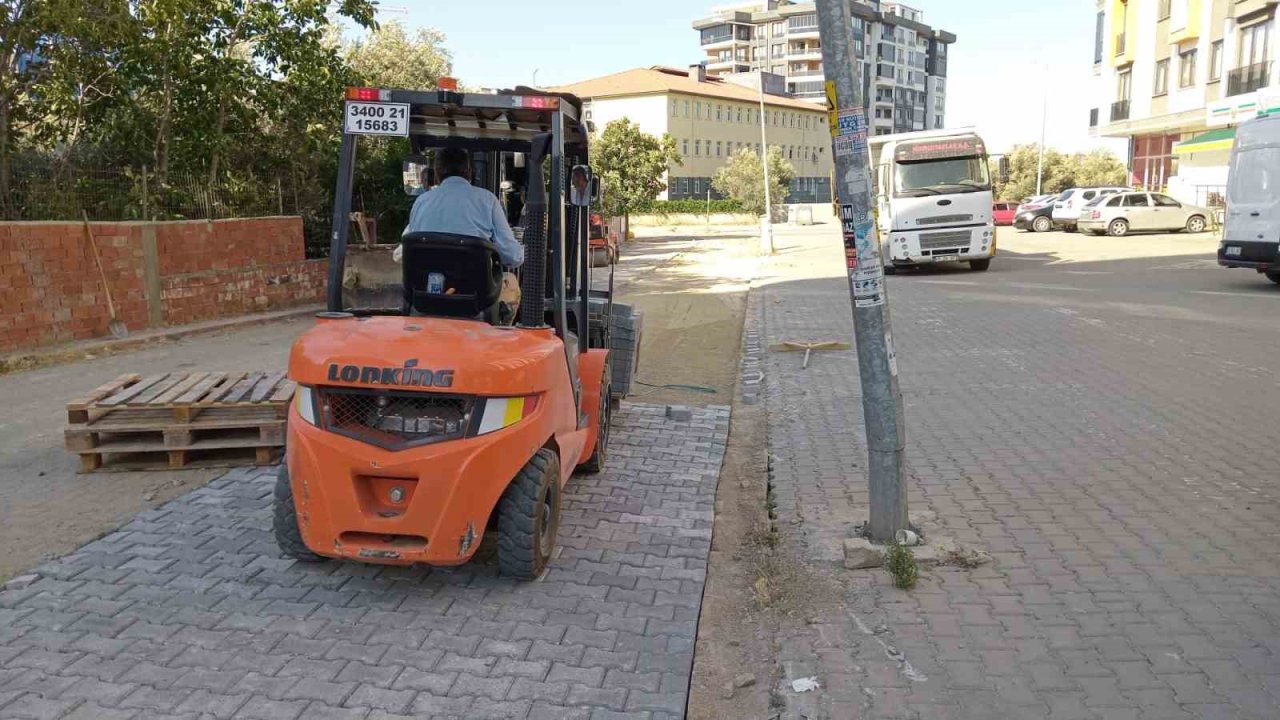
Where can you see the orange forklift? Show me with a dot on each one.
(419, 427)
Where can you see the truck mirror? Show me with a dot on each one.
(580, 186)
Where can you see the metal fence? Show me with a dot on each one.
(40, 189)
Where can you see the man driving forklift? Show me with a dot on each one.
(456, 206)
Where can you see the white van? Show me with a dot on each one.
(1066, 209)
(1251, 234)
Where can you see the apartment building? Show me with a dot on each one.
(711, 119)
(904, 61)
(1174, 77)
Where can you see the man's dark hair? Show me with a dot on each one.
(452, 162)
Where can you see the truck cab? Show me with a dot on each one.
(1251, 233)
(933, 198)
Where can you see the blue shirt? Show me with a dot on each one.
(457, 206)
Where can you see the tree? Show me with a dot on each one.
(391, 58)
(631, 163)
(742, 178)
(1061, 171)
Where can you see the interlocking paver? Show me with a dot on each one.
(1094, 451)
(190, 609)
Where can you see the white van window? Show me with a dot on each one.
(1255, 179)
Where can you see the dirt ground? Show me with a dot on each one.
(692, 286)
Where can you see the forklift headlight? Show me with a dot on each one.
(306, 403)
(502, 413)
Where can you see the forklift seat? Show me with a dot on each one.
(471, 272)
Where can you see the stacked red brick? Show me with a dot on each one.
(50, 290)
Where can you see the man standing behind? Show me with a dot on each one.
(456, 206)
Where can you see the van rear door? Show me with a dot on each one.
(1253, 195)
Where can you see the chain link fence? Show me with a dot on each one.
(41, 189)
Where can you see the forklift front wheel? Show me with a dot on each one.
(285, 521)
(595, 463)
(529, 517)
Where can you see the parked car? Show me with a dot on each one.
(1002, 213)
(1066, 209)
(1035, 214)
(1123, 213)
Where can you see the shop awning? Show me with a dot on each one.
(1221, 139)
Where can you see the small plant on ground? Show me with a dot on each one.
(901, 564)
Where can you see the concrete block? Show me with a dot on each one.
(861, 553)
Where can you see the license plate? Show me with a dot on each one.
(946, 258)
(370, 118)
(1233, 250)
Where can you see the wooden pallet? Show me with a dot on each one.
(175, 420)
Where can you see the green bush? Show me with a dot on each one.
(697, 207)
(900, 562)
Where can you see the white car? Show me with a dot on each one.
(1118, 215)
(1066, 209)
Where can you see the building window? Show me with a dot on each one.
(1255, 43)
(1187, 69)
(717, 148)
(697, 109)
(1122, 84)
(718, 115)
(1166, 9)
(739, 114)
(675, 108)
(778, 50)
(697, 148)
(684, 147)
(1215, 61)
(1162, 77)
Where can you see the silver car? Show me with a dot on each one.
(1120, 214)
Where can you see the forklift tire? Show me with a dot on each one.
(529, 517)
(600, 454)
(600, 257)
(285, 522)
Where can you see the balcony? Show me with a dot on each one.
(1245, 80)
(1119, 110)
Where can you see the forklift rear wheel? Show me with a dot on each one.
(595, 463)
(529, 517)
(285, 521)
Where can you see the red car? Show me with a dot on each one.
(1004, 212)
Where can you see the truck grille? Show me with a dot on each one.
(395, 420)
(935, 241)
(944, 219)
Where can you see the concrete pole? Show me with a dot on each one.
(766, 227)
(877, 363)
(1044, 115)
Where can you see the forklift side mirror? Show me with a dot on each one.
(580, 186)
(595, 189)
(418, 176)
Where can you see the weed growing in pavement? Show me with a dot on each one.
(901, 564)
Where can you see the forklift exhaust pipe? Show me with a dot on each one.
(533, 276)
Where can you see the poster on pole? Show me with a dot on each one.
(850, 132)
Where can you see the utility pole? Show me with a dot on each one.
(877, 363)
(766, 228)
(1044, 114)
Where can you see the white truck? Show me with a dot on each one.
(1251, 233)
(933, 199)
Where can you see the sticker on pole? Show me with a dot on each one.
(371, 118)
(870, 301)
(850, 132)
(833, 118)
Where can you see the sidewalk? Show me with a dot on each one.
(1097, 455)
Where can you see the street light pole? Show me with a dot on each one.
(1044, 114)
(766, 227)
(877, 364)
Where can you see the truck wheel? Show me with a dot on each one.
(980, 265)
(1274, 276)
(890, 269)
(595, 463)
(1118, 228)
(284, 521)
(529, 517)
(1042, 224)
(1196, 224)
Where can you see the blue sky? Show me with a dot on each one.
(1007, 50)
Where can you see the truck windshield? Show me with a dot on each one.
(938, 177)
(1255, 179)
